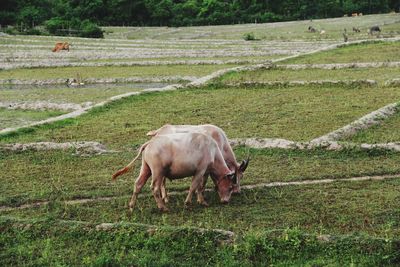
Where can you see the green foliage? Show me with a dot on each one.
(90, 29)
(249, 36)
(54, 25)
(183, 13)
(29, 15)
(86, 28)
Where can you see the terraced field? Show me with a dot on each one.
(322, 187)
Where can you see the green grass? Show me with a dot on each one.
(368, 208)
(111, 71)
(370, 52)
(392, 28)
(53, 243)
(65, 94)
(16, 118)
(32, 176)
(386, 131)
(241, 112)
(381, 75)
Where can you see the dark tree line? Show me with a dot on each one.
(83, 15)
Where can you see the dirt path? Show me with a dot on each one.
(364, 122)
(265, 143)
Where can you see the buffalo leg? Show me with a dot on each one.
(200, 192)
(164, 191)
(144, 175)
(196, 183)
(157, 188)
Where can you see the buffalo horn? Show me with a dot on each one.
(244, 164)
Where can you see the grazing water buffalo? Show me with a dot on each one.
(374, 29)
(61, 46)
(222, 141)
(311, 29)
(180, 155)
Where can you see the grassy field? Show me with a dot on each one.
(339, 209)
(241, 112)
(81, 244)
(287, 31)
(373, 52)
(273, 226)
(32, 176)
(381, 75)
(15, 118)
(111, 72)
(386, 132)
(65, 94)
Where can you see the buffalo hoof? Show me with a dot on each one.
(164, 209)
(204, 203)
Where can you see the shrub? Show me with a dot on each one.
(249, 36)
(91, 30)
(54, 25)
(33, 31)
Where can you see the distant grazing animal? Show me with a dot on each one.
(374, 29)
(74, 82)
(219, 136)
(356, 29)
(61, 46)
(360, 14)
(354, 14)
(322, 32)
(180, 155)
(311, 29)
(345, 37)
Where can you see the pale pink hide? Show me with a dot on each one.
(180, 155)
(222, 141)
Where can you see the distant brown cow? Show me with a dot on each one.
(61, 46)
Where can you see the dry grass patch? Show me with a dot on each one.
(370, 52)
(64, 94)
(16, 118)
(381, 75)
(111, 71)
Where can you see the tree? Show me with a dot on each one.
(30, 16)
(160, 11)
